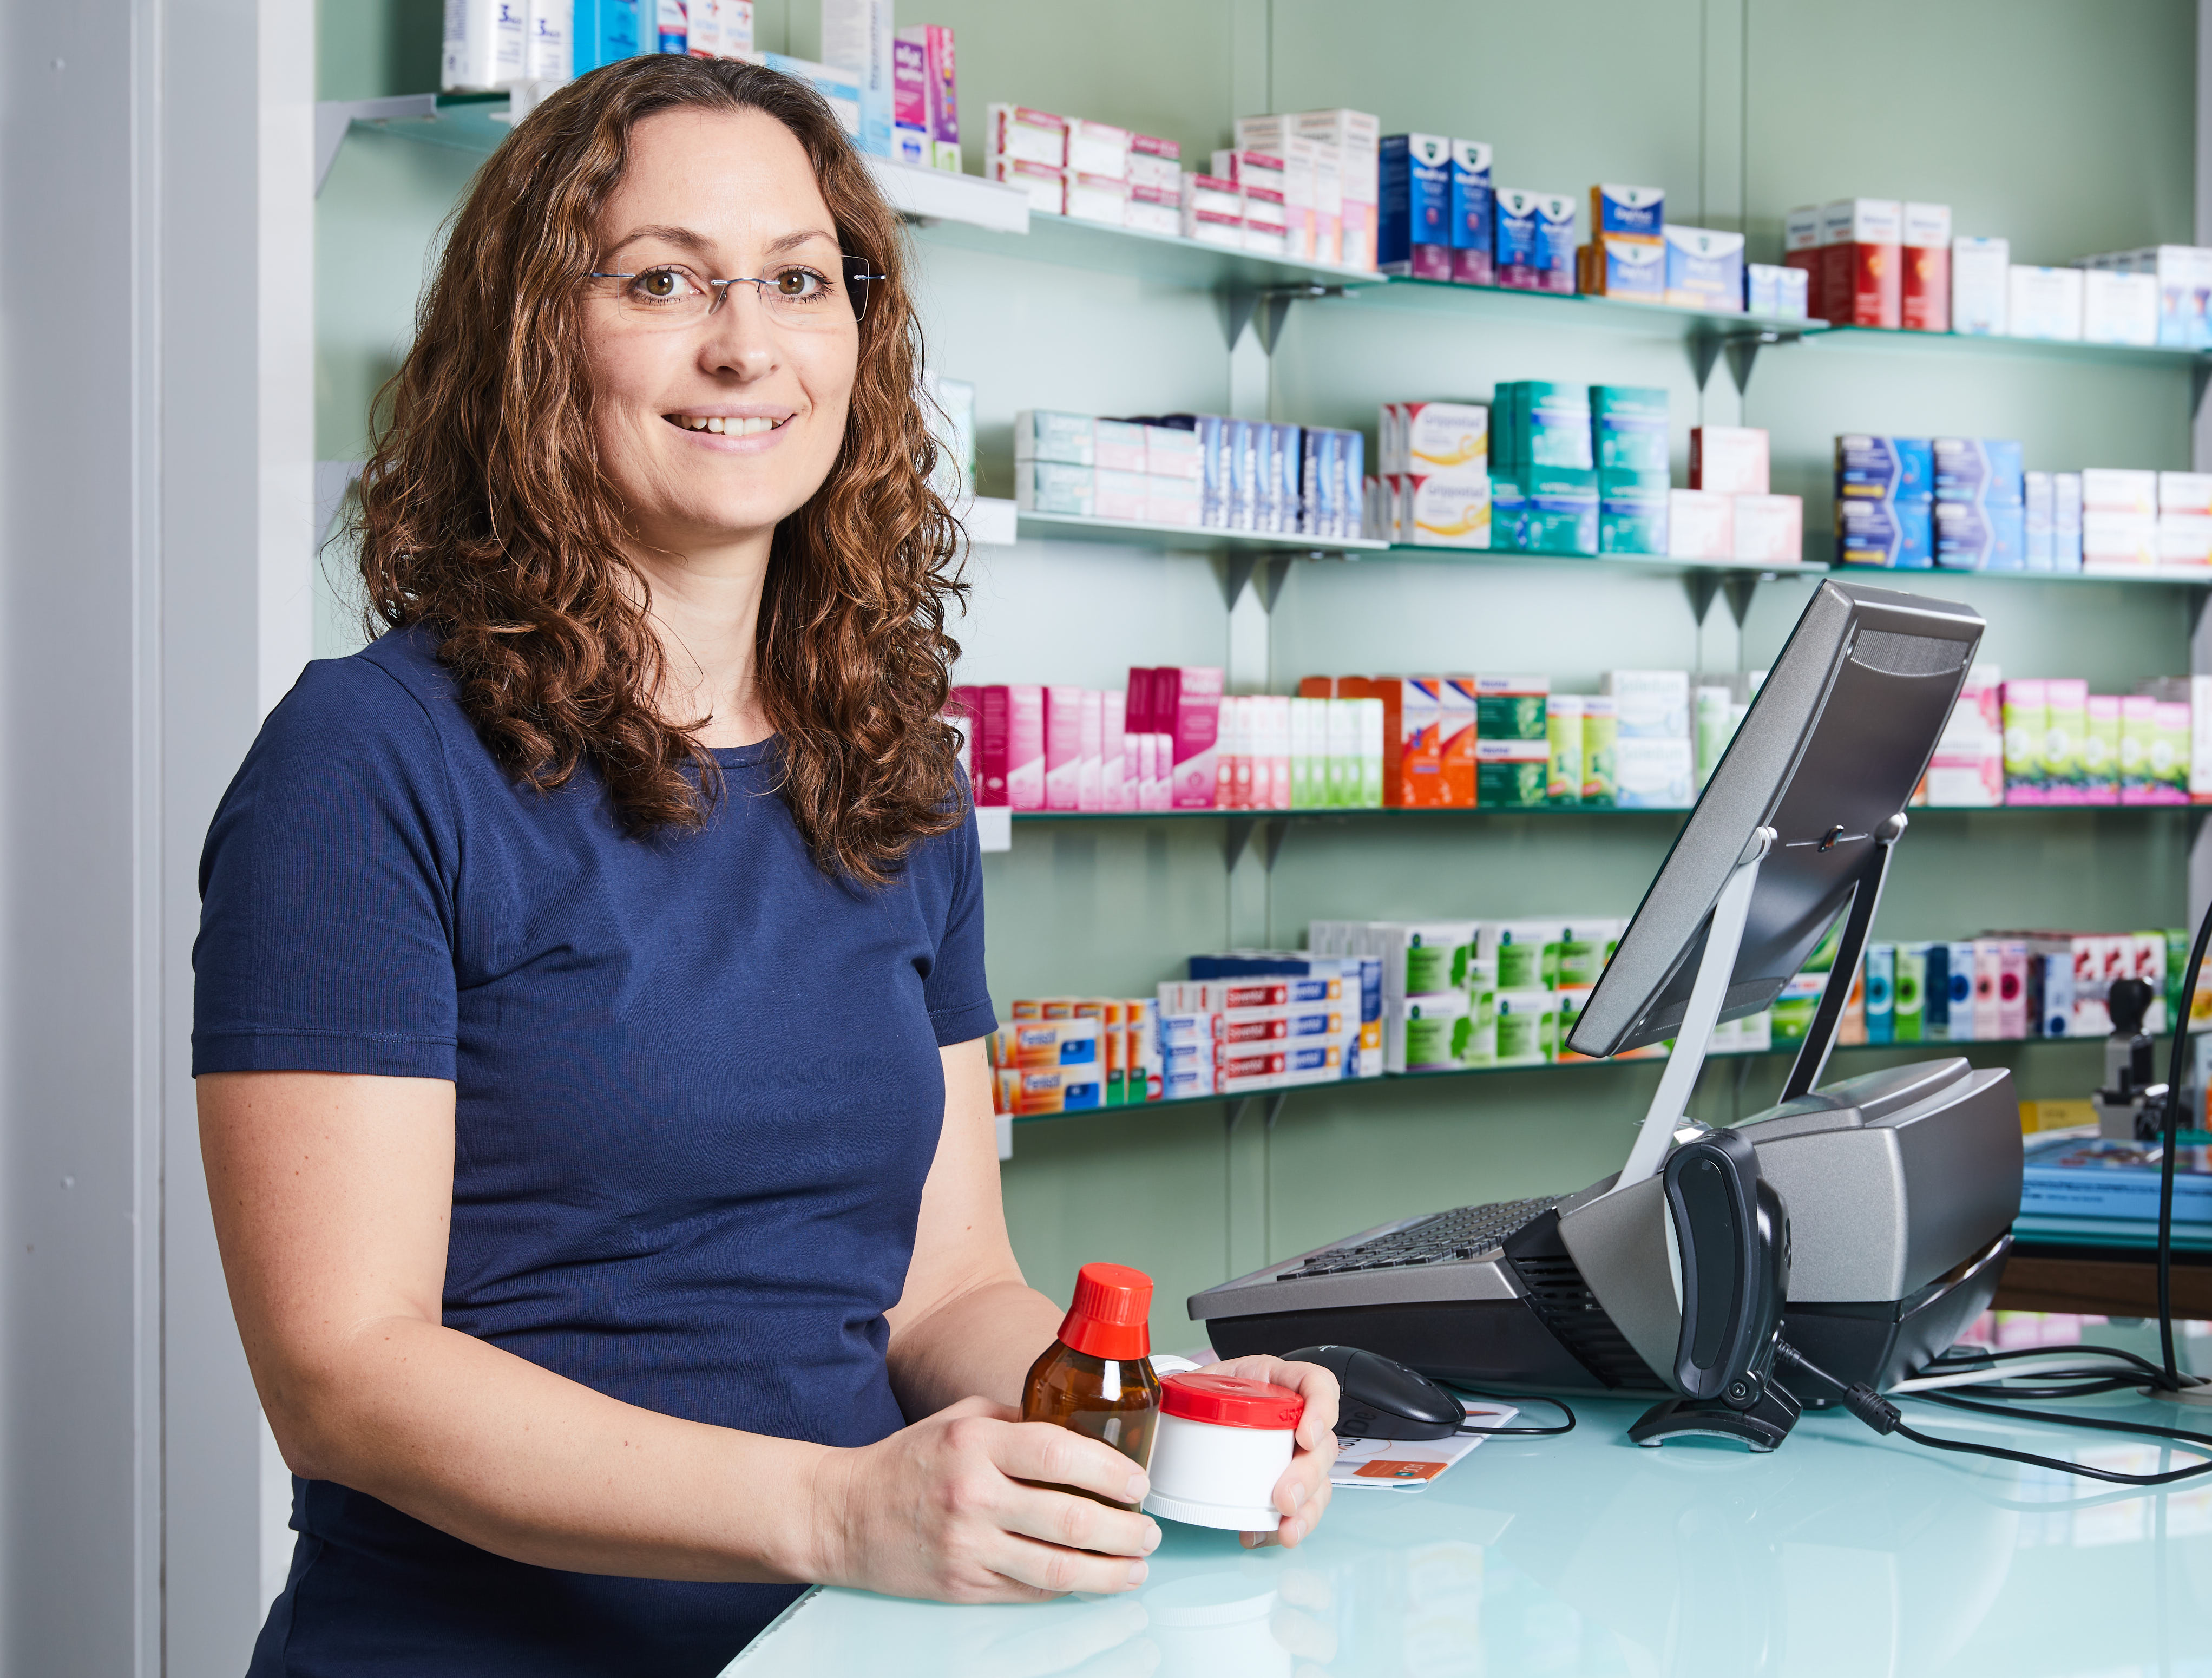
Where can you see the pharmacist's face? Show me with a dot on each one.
(716, 423)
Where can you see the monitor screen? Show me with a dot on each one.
(1836, 738)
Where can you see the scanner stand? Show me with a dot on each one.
(1763, 1426)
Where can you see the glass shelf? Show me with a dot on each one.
(1392, 1079)
(1657, 565)
(1398, 814)
(2164, 576)
(1613, 314)
(1166, 259)
(1070, 526)
(1892, 340)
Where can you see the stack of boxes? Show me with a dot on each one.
(1076, 1053)
(1311, 752)
(1627, 256)
(2153, 296)
(1543, 476)
(1461, 994)
(1512, 742)
(1532, 241)
(1435, 488)
(1967, 769)
(1886, 503)
(1629, 443)
(1192, 470)
(1249, 1021)
(1874, 262)
(1729, 512)
(1329, 162)
(2064, 745)
(1075, 166)
(1655, 763)
(1980, 508)
(2133, 521)
(2007, 986)
(1152, 746)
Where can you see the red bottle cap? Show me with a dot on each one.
(1230, 1400)
(1110, 1316)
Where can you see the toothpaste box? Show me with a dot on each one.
(1472, 232)
(1973, 536)
(1781, 292)
(1894, 534)
(1705, 269)
(1628, 428)
(1884, 468)
(1631, 512)
(1119, 494)
(1700, 525)
(1981, 271)
(1925, 303)
(1120, 445)
(1614, 265)
(1413, 229)
(1636, 210)
(1985, 471)
(1861, 262)
(2044, 303)
(1729, 458)
(1800, 250)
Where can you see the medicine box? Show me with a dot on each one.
(1510, 707)
(1533, 240)
(1981, 271)
(1894, 535)
(1155, 163)
(1705, 269)
(1018, 134)
(1102, 198)
(943, 90)
(1438, 438)
(1555, 509)
(1700, 525)
(1413, 229)
(1800, 250)
(1639, 210)
(910, 141)
(2118, 308)
(1654, 774)
(1615, 266)
(2044, 303)
(1511, 775)
(1471, 232)
(1631, 512)
(1539, 423)
(2118, 489)
(1097, 149)
(1925, 304)
(1628, 428)
(1045, 185)
(1900, 469)
(1731, 459)
(1771, 528)
(1649, 704)
(1985, 471)
(1054, 486)
(1781, 292)
(1861, 262)
(1041, 434)
(1600, 748)
(1450, 511)
(859, 37)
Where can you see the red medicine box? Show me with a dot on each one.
(1861, 262)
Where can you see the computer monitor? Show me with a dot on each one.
(1840, 733)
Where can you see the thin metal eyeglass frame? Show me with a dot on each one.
(856, 285)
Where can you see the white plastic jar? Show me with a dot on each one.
(1224, 1441)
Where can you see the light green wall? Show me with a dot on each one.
(2067, 124)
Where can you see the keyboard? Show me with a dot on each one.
(1464, 1234)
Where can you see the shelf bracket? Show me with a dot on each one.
(1240, 831)
(1235, 834)
(2198, 595)
(1274, 306)
(1237, 307)
(333, 116)
(1737, 586)
(2200, 376)
(1267, 582)
(1269, 1113)
(1278, 830)
(1701, 586)
(1741, 346)
(1237, 570)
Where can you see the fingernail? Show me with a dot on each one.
(1137, 1571)
(1137, 1488)
(1297, 1494)
(1152, 1538)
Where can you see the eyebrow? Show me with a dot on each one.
(698, 244)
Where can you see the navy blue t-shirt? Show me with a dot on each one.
(696, 1090)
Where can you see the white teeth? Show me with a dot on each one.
(721, 426)
(718, 426)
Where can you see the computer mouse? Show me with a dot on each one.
(1382, 1399)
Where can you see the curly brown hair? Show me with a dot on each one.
(486, 515)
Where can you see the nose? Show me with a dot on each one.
(739, 337)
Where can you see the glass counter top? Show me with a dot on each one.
(1842, 1554)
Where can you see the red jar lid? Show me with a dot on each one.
(1230, 1400)
(1111, 1314)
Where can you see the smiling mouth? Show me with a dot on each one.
(721, 426)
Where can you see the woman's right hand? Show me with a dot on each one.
(939, 1510)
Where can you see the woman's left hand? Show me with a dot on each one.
(1304, 1490)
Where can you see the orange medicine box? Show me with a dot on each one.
(1456, 740)
(1413, 759)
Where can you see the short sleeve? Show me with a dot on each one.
(326, 906)
(958, 995)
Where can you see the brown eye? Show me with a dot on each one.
(801, 283)
(659, 284)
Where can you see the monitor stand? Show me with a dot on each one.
(1709, 991)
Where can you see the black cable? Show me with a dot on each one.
(2169, 1130)
(1525, 1433)
(1955, 1359)
(1884, 1418)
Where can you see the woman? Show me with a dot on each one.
(590, 983)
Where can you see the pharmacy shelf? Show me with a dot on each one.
(1400, 1079)
(1395, 813)
(2161, 576)
(1658, 565)
(1606, 314)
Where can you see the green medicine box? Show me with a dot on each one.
(1631, 512)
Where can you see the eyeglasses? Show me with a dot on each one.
(669, 295)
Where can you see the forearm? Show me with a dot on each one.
(981, 1343)
(531, 1466)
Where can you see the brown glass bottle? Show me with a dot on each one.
(1097, 1378)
